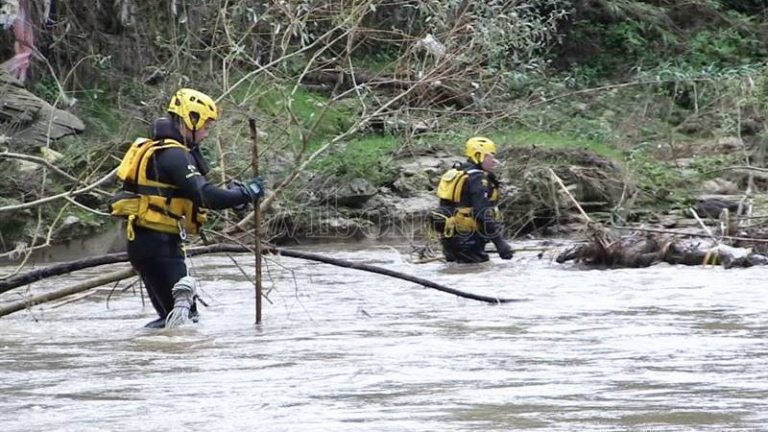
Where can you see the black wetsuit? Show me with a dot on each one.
(476, 193)
(157, 256)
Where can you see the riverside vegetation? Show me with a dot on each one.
(647, 112)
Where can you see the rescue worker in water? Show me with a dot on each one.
(164, 198)
(467, 217)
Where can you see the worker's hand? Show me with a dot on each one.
(504, 250)
(254, 188)
(236, 185)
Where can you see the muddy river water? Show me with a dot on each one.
(667, 348)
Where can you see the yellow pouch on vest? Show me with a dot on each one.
(451, 184)
(463, 222)
(125, 204)
(129, 163)
(163, 215)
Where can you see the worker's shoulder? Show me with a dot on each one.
(476, 174)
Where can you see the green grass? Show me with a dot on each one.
(523, 138)
(378, 62)
(310, 113)
(99, 113)
(366, 157)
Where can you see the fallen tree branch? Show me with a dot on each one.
(74, 289)
(40, 161)
(63, 268)
(390, 273)
(31, 276)
(41, 201)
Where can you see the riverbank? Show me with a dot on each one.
(549, 193)
(353, 136)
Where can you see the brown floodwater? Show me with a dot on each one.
(666, 348)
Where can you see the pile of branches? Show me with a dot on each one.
(596, 183)
(642, 249)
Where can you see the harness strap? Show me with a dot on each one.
(166, 212)
(163, 191)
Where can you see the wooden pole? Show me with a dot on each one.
(256, 217)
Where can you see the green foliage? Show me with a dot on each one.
(366, 157)
(703, 167)
(553, 141)
(379, 61)
(573, 119)
(301, 112)
(640, 35)
(97, 108)
(664, 183)
(722, 48)
(46, 89)
(658, 181)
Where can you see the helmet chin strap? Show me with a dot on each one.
(194, 135)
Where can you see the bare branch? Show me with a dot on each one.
(48, 199)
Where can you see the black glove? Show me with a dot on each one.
(253, 190)
(236, 185)
(504, 250)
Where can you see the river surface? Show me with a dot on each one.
(667, 348)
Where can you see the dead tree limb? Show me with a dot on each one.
(74, 289)
(59, 269)
(390, 273)
(109, 176)
(42, 161)
(70, 266)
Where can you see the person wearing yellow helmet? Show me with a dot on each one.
(467, 217)
(164, 198)
(195, 111)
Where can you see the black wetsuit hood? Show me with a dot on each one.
(164, 128)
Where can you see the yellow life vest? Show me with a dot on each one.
(460, 219)
(150, 203)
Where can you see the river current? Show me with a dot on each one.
(666, 348)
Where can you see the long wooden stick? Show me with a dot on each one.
(9, 283)
(74, 289)
(703, 225)
(59, 269)
(392, 273)
(567, 192)
(256, 218)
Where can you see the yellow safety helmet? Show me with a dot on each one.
(478, 147)
(194, 107)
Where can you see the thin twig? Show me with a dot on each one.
(703, 225)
